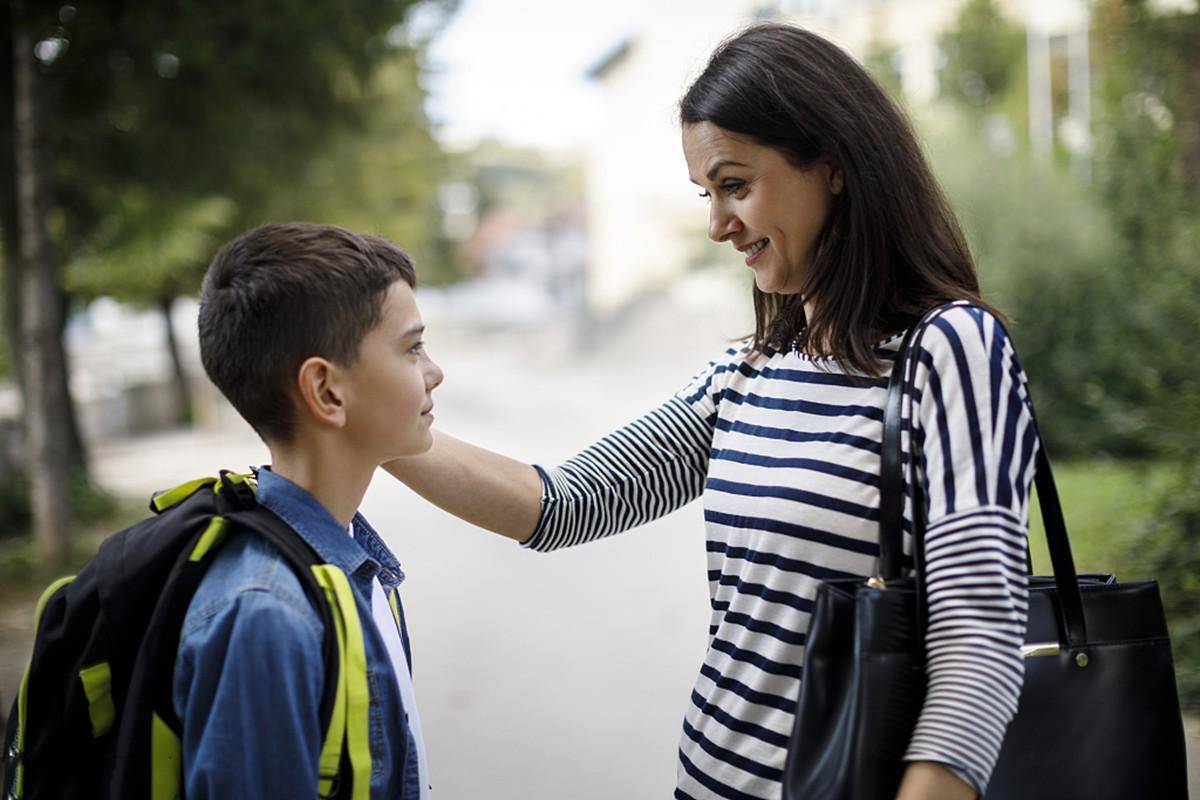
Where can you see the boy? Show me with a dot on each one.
(313, 334)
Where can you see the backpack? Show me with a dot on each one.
(94, 715)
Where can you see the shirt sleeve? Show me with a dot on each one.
(247, 687)
(974, 426)
(638, 473)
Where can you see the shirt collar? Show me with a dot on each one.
(314, 524)
(390, 574)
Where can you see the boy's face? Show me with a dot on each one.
(389, 387)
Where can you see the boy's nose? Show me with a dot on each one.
(433, 376)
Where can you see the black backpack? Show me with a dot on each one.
(94, 715)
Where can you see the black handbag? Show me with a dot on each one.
(1098, 715)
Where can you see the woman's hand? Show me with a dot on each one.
(928, 780)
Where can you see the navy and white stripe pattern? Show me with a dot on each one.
(786, 450)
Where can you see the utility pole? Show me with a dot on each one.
(1041, 109)
(1080, 87)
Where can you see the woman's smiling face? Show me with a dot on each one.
(770, 210)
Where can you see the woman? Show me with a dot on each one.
(815, 176)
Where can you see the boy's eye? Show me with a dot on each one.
(417, 348)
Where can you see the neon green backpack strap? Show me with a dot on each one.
(166, 761)
(350, 721)
(161, 501)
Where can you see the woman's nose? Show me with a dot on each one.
(721, 223)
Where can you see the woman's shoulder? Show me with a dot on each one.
(967, 345)
(965, 331)
(736, 357)
(732, 356)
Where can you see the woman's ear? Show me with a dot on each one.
(836, 180)
(318, 383)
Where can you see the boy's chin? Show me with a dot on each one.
(413, 448)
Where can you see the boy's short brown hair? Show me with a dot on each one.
(279, 295)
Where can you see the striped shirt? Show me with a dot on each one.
(785, 448)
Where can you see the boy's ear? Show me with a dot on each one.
(320, 390)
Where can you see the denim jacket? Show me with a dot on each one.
(249, 676)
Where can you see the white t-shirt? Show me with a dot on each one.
(385, 621)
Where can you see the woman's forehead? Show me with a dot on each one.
(708, 147)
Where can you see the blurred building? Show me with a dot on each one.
(643, 216)
(515, 221)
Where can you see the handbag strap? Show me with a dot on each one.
(1072, 630)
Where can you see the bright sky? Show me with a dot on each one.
(514, 69)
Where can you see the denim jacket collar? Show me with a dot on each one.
(317, 527)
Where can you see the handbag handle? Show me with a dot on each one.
(1072, 630)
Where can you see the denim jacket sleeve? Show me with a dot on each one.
(247, 686)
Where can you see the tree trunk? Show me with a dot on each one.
(76, 449)
(41, 326)
(12, 273)
(11, 287)
(183, 393)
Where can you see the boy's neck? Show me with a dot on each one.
(334, 477)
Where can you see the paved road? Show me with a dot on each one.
(540, 677)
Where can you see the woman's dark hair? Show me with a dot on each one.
(891, 248)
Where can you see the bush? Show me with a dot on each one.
(1047, 256)
(1169, 549)
(90, 503)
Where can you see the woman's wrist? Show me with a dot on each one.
(929, 780)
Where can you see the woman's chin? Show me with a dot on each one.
(771, 284)
(765, 281)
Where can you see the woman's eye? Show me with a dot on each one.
(729, 188)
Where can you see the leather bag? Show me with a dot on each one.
(1098, 715)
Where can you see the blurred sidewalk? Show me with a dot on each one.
(539, 677)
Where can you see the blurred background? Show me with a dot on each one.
(527, 155)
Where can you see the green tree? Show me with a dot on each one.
(164, 131)
(1148, 174)
(983, 54)
(148, 254)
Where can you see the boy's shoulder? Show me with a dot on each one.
(249, 574)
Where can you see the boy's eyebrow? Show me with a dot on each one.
(415, 330)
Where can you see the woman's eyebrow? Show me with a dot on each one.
(715, 168)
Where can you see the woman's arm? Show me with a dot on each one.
(977, 444)
(925, 780)
(637, 473)
(484, 488)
